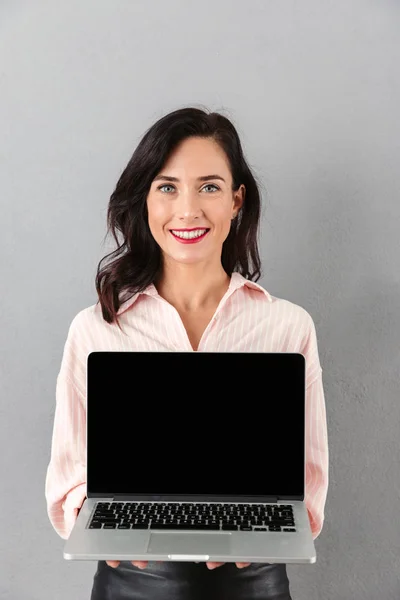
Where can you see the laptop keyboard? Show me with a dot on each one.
(193, 516)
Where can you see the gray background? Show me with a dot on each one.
(313, 88)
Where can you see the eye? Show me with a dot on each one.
(171, 186)
(211, 185)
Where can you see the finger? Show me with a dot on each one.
(113, 563)
(241, 565)
(141, 564)
(214, 565)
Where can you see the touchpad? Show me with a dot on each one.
(197, 544)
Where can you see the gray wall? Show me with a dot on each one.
(314, 89)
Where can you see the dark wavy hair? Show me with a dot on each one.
(137, 261)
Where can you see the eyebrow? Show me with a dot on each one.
(202, 178)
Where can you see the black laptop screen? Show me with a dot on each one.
(195, 423)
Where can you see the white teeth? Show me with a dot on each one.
(187, 235)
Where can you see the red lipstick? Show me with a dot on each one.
(190, 240)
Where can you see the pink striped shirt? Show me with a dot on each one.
(248, 319)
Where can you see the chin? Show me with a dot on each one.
(186, 258)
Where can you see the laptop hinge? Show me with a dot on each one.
(134, 498)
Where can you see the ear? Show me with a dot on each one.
(238, 199)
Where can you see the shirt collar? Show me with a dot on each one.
(237, 282)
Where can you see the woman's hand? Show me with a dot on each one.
(214, 565)
(142, 564)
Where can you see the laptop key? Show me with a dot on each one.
(168, 526)
(229, 527)
(184, 526)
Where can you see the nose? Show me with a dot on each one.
(189, 207)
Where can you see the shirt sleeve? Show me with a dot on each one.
(316, 447)
(317, 456)
(65, 486)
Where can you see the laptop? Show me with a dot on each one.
(194, 456)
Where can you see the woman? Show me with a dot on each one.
(182, 278)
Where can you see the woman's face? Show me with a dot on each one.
(190, 217)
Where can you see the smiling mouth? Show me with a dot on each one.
(189, 236)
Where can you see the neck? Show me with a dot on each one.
(192, 288)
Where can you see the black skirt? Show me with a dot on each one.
(190, 581)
